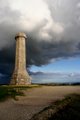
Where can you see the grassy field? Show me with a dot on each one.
(7, 91)
(66, 109)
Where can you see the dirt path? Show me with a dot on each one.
(34, 101)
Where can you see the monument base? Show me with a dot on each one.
(20, 79)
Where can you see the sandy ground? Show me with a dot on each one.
(35, 100)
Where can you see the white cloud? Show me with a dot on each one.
(32, 13)
(28, 15)
(78, 5)
(55, 28)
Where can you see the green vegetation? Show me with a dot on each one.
(12, 91)
(66, 109)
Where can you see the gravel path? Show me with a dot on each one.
(35, 99)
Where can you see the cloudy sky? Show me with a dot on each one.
(53, 30)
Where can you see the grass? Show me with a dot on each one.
(66, 109)
(12, 91)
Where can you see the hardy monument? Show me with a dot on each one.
(20, 75)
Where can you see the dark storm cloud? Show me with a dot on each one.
(53, 38)
(43, 52)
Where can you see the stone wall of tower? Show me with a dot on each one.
(20, 75)
(20, 63)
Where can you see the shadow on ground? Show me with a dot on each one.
(66, 109)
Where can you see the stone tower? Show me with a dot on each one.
(20, 75)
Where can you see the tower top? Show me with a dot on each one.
(20, 34)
